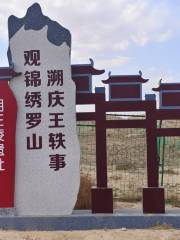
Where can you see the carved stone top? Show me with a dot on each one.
(35, 20)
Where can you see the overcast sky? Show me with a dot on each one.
(122, 36)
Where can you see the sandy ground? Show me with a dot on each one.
(120, 234)
(138, 205)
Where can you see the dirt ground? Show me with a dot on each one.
(120, 234)
(126, 158)
(138, 205)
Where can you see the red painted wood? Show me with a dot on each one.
(102, 200)
(171, 99)
(7, 177)
(126, 106)
(163, 132)
(172, 86)
(101, 153)
(86, 116)
(153, 200)
(125, 91)
(125, 123)
(82, 83)
(151, 139)
(85, 69)
(125, 79)
(165, 114)
(88, 98)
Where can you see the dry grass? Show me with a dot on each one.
(84, 196)
(126, 157)
(163, 226)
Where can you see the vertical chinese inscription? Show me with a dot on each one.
(33, 101)
(33, 98)
(56, 121)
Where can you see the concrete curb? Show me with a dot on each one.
(84, 220)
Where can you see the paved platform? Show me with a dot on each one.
(84, 220)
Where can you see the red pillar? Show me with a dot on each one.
(102, 198)
(153, 195)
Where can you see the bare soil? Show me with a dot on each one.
(126, 158)
(120, 234)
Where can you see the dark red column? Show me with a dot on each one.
(152, 157)
(102, 199)
(153, 196)
(101, 153)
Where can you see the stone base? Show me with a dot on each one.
(102, 200)
(84, 220)
(7, 212)
(153, 200)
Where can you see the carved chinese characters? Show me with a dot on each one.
(47, 159)
(33, 101)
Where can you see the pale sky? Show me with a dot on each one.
(122, 36)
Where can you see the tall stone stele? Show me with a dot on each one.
(47, 149)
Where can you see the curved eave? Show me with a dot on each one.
(156, 89)
(125, 79)
(85, 69)
(166, 87)
(98, 72)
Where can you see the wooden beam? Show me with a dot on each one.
(87, 98)
(165, 114)
(114, 106)
(86, 116)
(125, 123)
(163, 132)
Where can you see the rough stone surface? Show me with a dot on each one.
(35, 20)
(7, 212)
(39, 190)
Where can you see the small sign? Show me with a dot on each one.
(125, 87)
(48, 155)
(169, 95)
(8, 111)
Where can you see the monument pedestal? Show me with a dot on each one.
(7, 212)
(153, 200)
(102, 200)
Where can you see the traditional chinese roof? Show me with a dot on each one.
(125, 78)
(7, 73)
(167, 86)
(86, 69)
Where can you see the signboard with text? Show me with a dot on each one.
(8, 111)
(47, 148)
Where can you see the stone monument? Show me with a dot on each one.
(47, 170)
